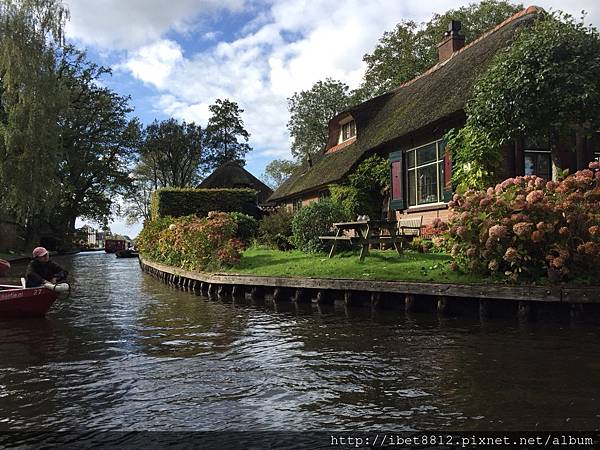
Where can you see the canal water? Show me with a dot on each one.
(127, 352)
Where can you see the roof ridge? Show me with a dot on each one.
(529, 10)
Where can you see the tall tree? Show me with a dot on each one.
(171, 154)
(98, 142)
(277, 171)
(410, 49)
(544, 86)
(30, 33)
(224, 131)
(310, 112)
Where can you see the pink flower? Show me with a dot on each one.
(511, 254)
(594, 165)
(471, 252)
(539, 183)
(563, 231)
(485, 201)
(537, 236)
(594, 230)
(461, 231)
(498, 231)
(535, 196)
(551, 185)
(522, 229)
(493, 265)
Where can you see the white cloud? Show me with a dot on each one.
(285, 48)
(127, 24)
(153, 64)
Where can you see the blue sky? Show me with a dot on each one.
(175, 58)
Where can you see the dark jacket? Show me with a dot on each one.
(39, 272)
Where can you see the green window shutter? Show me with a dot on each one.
(397, 184)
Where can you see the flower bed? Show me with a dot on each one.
(527, 227)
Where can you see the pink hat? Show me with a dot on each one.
(4, 266)
(39, 251)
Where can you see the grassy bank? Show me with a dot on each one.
(379, 265)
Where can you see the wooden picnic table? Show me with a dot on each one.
(367, 232)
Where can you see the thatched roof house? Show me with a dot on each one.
(407, 125)
(232, 175)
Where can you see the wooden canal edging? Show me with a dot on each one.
(446, 296)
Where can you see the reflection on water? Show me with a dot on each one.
(128, 352)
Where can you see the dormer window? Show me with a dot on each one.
(348, 130)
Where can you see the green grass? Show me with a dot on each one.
(379, 265)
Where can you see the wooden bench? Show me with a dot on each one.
(410, 226)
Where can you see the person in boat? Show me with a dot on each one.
(41, 270)
(4, 267)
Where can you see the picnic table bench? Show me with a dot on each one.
(369, 232)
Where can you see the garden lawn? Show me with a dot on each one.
(378, 265)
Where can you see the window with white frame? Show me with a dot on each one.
(537, 158)
(348, 130)
(425, 174)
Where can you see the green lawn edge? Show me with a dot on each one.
(381, 265)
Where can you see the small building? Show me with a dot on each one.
(233, 175)
(407, 126)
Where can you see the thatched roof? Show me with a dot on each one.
(439, 93)
(232, 175)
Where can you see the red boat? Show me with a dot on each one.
(31, 302)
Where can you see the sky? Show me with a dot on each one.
(174, 58)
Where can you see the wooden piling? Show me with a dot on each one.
(238, 292)
(324, 297)
(223, 291)
(257, 293)
(485, 307)
(409, 303)
(525, 311)
(301, 296)
(212, 290)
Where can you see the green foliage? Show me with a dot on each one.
(372, 174)
(31, 34)
(363, 194)
(97, 142)
(247, 226)
(411, 48)
(171, 154)
(526, 227)
(310, 112)
(277, 171)
(543, 85)
(351, 199)
(191, 242)
(182, 202)
(313, 221)
(275, 230)
(223, 132)
(475, 158)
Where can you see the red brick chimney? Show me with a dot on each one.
(452, 41)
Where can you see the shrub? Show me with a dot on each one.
(363, 193)
(247, 227)
(275, 230)
(191, 242)
(179, 202)
(527, 227)
(313, 221)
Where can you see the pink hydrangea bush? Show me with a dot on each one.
(191, 242)
(527, 227)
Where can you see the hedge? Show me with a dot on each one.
(177, 202)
